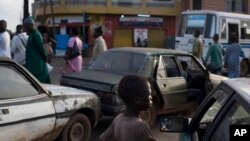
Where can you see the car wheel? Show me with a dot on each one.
(77, 129)
(149, 116)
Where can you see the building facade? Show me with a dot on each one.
(126, 22)
(123, 21)
(237, 6)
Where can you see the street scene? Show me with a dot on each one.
(125, 70)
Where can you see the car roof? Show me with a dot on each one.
(150, 50)
(241, 86)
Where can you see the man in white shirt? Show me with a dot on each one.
(100, 44)
(4, 40)
(18, 45)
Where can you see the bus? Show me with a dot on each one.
(208, 23)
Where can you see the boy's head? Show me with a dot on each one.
(135, 91)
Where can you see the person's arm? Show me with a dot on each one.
(39, 46)
(195, 48)
(13, 45)
(208, 54)
(227, 54)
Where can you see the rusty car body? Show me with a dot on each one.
(30, 110)
(170, 89)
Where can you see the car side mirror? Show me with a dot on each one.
(173, 124)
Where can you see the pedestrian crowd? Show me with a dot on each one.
(214, 56)
(34, 48)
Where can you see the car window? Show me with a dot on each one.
(119, 62)
(193, 66)
(236, 115)
(100, 65)
(168, 67)
(14, 84)
(215, 105)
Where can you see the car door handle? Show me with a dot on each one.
(5, 111)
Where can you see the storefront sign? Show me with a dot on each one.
(141, 21)
(141, 37)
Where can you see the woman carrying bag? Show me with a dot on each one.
(73, 55)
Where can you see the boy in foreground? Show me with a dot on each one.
(127, 126)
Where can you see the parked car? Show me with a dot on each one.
(30, 110)
(228, 105)
(170, 89)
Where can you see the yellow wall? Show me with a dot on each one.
(123, 38)
(63, 9)
(156, 38)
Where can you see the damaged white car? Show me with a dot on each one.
(33, 111)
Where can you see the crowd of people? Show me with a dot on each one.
(33, 47)
(214, 56)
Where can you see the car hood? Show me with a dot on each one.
(93, 80)
(217, 79)
(57, 90)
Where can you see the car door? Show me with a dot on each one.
(171, 83)
(26, 112)
(236, 114)
(198, 77)
(207, 113)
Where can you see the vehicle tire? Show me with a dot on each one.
(77, 129)
(149, 116)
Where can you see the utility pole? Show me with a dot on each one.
(53, 22)
(25, 9)
(44, 12)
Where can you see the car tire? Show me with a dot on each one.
(149, 116)
(78, 128)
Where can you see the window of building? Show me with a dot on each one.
(197, 4)
(239, 6)
(126, 3)
(85, 2)
(160, 3)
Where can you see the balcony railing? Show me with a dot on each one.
(85, 2)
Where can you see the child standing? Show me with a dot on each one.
(127, 126)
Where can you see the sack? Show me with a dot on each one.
(72, 52)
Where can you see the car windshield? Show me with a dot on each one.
(119, 63)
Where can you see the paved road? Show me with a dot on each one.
(58, 63)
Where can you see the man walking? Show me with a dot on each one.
(197, 46)
(100, 44)
(18, 45)
(215, 55)
(4, 40)
(35, 53)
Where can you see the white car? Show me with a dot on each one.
(221, 116)
(33, 111)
